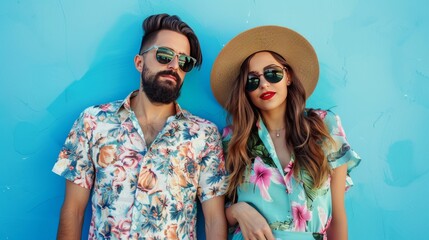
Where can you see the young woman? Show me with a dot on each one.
(288, 165)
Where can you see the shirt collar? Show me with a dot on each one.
(126, 105)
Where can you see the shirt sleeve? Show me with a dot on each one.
(341, 152)
(226, 137)
(73, 162)
(212, 181)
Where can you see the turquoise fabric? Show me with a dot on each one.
(280, 235)
(292, 210)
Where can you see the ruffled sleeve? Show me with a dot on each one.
(341, 152)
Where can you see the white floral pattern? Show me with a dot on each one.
(139, 191)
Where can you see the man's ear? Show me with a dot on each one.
(138, 62)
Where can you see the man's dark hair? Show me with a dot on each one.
(153, 24)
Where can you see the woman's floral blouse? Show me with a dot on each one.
(140, 191)
(292, 210)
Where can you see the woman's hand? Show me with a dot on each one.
(252, 224)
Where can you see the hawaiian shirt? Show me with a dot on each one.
(292, 210)
(141, 191)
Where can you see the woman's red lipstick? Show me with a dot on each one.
(267, 95)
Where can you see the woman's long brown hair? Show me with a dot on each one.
(306, 132)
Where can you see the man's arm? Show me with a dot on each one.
(72, 212)
(214, 217)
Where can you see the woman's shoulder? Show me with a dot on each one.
(329, 118)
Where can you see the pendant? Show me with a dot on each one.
(276, 132)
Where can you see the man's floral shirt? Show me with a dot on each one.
(140, 191)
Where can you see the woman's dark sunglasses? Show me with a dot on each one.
(165, 55)
(272, 74)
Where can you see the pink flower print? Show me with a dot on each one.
(192, 230)
(261, 178)
(287, 179)
(128, 125)
(328, 223)
(130, 158)
(300, 215)
(321, 113)
(277, 178)
(165, 152)
(258, 125)
(85, 182)
(121, 229)
(105, 107)
(226, 131)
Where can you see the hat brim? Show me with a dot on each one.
(293, 47)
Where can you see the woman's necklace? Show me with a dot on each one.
(277, 131)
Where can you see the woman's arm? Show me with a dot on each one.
(338, 227)
(252, 224)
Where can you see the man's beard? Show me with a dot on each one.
(160, 91)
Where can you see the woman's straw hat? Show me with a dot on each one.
(293, 47)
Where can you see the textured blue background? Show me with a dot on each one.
(58, 57)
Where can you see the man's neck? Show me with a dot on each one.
(148, 112)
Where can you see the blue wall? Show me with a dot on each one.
(58, 57)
